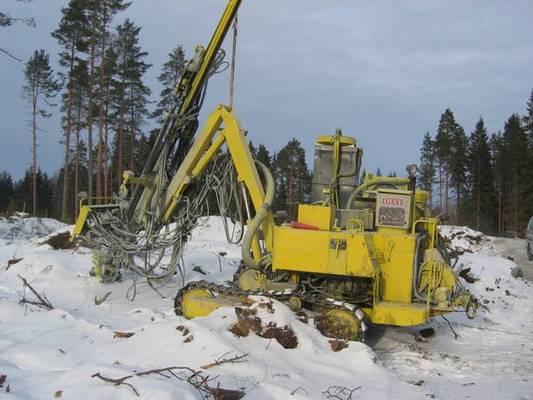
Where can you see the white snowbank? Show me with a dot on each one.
(42, 352)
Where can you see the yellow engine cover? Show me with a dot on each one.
(320, 252)
(387, 256)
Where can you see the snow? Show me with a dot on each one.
(43, 352)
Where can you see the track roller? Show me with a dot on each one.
(340, 324)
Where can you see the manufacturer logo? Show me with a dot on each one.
(390, 201)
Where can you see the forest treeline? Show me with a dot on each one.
(481, 179)
(104, 102)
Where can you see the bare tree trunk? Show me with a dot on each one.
(78, 156)
(441, 203)
(477, 209)
(90, 104)
(446, 189)
(121, 130)
(459, 204)
(499, 211)
(67, 136)
(100, 155)
(290, 193)
(132, 141)
(106, 145)
(34, 153)
(515, 202)
(120, 145)
(132, 133)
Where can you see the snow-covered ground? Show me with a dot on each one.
(47, 354)
(492, 356)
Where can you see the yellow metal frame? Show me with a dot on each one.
(210, 53)
(222, 127)
(85, 209)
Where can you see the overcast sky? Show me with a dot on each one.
(382, 71)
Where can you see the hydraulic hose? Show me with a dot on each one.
(417, 266)
(260, 216)
(375, 181)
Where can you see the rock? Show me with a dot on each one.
(425, 334)
(199, 269)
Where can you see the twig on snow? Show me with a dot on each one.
(13, 261)
(221, 360)
(195, 378)
(117, 381)
(43, 301)
(297, 389)
(339, 392)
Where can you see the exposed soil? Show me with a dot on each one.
(60, 241)
(247, 321)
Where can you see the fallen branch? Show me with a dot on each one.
(117, 382)
(297, 389)
(222, 360)
(43, 301)
(13, 261)
(339, 392)
(195, 378)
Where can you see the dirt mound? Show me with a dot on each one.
(247, 321)
(60, 241)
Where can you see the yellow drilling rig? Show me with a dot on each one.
(356, 253)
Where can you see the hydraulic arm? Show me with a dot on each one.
(127, 231)
(174, 138)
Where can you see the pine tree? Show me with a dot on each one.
(7, 191)
(427, 165)
(104, 99)
(169, 78)
(101, 14)
(362, 177)
(108, 9)
(528, 127)
(443, 144)
(72, 37)
(252, 148)
(515, 170)
(497, 154)
(129, 98)
(481, 180)
(457, 164)
(292, 177)
(9, 20)
(23, 193)
(40, 86)
(263, 155)
(79, 94)
(528, 120)
(144, 146)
